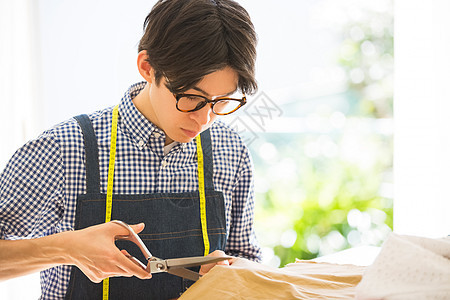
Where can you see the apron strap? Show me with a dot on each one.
(208, 159)
(92, 164)
(91, 150)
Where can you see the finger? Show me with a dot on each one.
(121, 272)
(220, 253)
(217, 253)
(98, 275)
(125, 252)
(132, 267)
(203, 270)
(117, 270)
(121, 230)
(224, 262)
(138, 227)
(133, 259)
(206, 268)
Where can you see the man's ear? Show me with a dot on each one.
(144, 67)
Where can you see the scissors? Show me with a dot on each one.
(175, 266)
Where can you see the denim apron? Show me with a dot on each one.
(172, 227)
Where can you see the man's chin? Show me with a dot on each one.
(190, 134)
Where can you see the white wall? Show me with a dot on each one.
(20, 101)
(422, 118)
(89, 53)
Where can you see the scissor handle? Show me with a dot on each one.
(133, 237)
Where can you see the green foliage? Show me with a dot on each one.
(312, 206)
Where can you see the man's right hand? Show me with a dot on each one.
(91, 249)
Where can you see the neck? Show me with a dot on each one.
(143, 105)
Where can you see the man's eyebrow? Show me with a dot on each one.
(208, 95)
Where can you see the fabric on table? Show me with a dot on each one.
(408, 267)
(245, 279)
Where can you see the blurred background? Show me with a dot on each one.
(320, 128)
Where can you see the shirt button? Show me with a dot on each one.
(164, 163)
(157, 135)
(141, 143)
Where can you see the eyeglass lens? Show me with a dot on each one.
(189, 103)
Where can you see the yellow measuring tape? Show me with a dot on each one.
(109, 190)
(112, 160)
(201, 189)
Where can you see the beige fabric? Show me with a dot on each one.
(408, 267)
(301, 280)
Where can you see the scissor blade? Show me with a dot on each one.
(186, 262)
(185, 273)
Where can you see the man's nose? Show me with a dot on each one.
(203, 115)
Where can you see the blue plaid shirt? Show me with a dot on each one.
(40, 184)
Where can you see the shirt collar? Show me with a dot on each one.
(138, 127)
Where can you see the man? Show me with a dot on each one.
(159, 158)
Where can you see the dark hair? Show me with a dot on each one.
(188, 39)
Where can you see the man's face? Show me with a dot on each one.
(181, 126)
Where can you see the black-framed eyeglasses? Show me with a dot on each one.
(220, 106)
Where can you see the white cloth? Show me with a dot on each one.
(408, 267)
